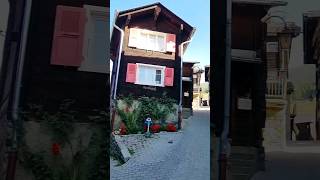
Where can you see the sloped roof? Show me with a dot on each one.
(151, 7)
(143, 10)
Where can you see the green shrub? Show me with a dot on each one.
(141, 108)
(130, 116)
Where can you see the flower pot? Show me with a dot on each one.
(171, 128)
(155, 128)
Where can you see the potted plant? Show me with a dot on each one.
(171, 127)
(155, 128)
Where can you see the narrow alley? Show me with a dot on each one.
(187, 158)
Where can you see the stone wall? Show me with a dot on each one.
(39, 141)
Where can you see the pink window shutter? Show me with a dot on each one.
(169, 77)
(68, 36)
(171, 42)
(131, 73)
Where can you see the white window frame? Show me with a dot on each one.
(155, 33)
(156, 67)
(87, 64)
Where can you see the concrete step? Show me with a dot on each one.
(243, 162)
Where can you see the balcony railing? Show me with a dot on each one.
(276, 89)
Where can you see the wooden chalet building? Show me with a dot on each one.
(248, 85)
(311, 39)
(48, 58)
(149, 55)
(187, 86)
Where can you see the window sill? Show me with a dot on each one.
(129, 51)
(149, 85)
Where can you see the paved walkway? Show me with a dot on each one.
(187, 158)
(291, 166)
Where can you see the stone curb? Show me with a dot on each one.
(185, 122)
(125, 155)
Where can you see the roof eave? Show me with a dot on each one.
(148, 7)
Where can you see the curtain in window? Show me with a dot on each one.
(101, 44)
(146, 75)
(160, 43)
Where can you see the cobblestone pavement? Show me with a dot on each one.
(186, 158)
(290, 166)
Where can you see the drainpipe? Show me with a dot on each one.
(224, 144)
(12, 157)
(181, 75)
(115, 84)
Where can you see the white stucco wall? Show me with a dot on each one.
(274, 131)
(4, 12)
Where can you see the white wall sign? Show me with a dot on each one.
(244, 104)
(272, 47)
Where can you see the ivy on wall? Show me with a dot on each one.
(87, 161)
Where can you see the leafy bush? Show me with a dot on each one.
(135, 110)
(87, 162)
(130, 116)
(163, 127)
(156, 108)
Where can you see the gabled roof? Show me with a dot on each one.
(153, 6)
(188, 30)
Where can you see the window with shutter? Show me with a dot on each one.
(171, 43)
(169, 76)
(131, 73)
(151, 75)
(147, 40)
(96, 46)
(68, 36)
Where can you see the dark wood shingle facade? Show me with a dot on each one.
(54, 68)
(51, 75)
(150, 63)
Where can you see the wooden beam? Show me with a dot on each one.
(137, 11)
(128, 20)
(157, 11)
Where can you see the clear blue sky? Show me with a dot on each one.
(195, 13)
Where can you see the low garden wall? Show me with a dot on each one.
(131, 114)
(55, 146)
